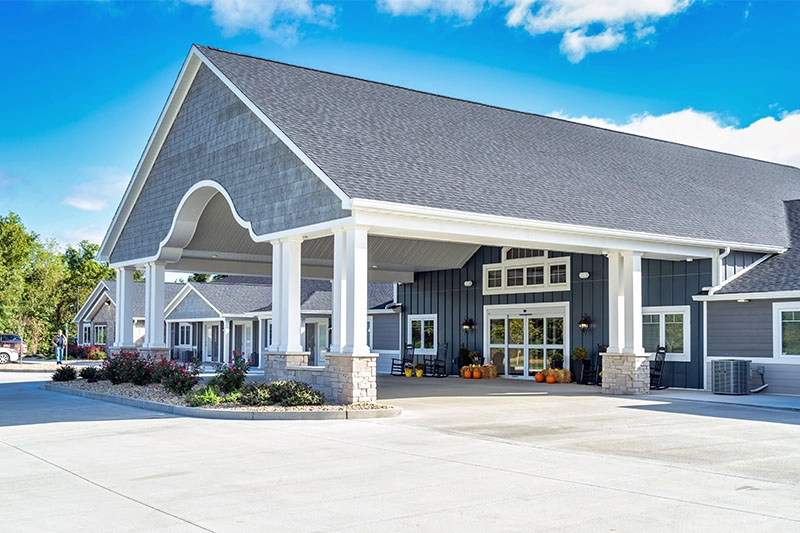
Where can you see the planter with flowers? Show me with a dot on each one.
(408, 369)
(419, 369)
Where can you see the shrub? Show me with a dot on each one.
(65, 373)
(255, 394)
(204, 396)
(76, 352)
(141, 371)
(95, 353)
(234, 397)
(176, 378)
(128, 367)
(291, 393)
(90, 373)
(230, 376)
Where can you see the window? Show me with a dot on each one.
(184, 334)
(669, 327)
(786, 329)
(422, 333)
(100, 334)
(524, 270)
(269, 333)
(86, 337)
(369, 332)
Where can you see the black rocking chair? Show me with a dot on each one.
(398, 365)
(435, 365)
(657, 369)
(596, 372)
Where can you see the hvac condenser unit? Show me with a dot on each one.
(731, 376)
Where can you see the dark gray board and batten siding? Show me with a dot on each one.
(664, 283)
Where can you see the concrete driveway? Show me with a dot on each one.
(464, 456)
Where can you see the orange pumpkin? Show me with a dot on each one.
(477, 374)
(539, 377)
(551, 379)
(467, 374)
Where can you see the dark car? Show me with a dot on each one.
(12, 340)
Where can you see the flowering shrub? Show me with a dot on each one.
(230, 376)
(290, 393)
(95, 353)
(176, 378)
(128, 367)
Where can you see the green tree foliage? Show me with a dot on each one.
(16, 247)
(44, 285)
(83, 273)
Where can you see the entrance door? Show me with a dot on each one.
(211, 343)
(523, 341)
(316, 340)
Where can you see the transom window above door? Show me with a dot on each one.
(526, 270)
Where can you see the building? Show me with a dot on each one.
(520, 223)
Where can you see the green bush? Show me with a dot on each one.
(291, 393)
(65, 373)
(90, 373)
(205, 396)
(141, 371)
(234, 397)
(255, 394)
(128, 367)
(230, 376)
(176, 378)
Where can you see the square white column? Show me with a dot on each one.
(616, 304)
(339, 287)
(226, 341)
(277, 291)
(632, 291)
(124, 310)
(291, 256)
(154, 307)
(357, 271)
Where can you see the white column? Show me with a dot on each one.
(154, 306)
(226, 341)
(632, 290)
(339, 287)
(355, 341)
(277, 291)
(616, 304)
(262, 339)
(291, 255)
(124, 310)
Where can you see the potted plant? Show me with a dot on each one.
(581, 356)
(556, 360)
(419, 369)
(408, 368)
(475, 358)
(463, 358)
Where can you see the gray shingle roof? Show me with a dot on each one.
(781, 272)
(387, 143)
(170, 291)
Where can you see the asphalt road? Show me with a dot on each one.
(464, 456)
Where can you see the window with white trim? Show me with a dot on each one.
(422, 333)
(369, 332)
(268, 342)
(100, 334)
(86, 337)
(668, 326)
(526, 270)
(786, 329)
(184, 334)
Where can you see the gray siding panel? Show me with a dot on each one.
(191, 308)
(663, 283)
(735, 262)
(216, 137)
(740, 329)
(386, 332)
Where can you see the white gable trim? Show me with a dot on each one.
(92, 302)
(182, 294)
(168, 115)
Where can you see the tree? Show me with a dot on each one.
(16, 247)
(83, 273)
(44, 282)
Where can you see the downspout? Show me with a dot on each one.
(718, 269)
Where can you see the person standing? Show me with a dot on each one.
(59, 342)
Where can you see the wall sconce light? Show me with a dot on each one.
(584, 323)
(742, 300)
(583, 275)
(468, 283)
(468, 325)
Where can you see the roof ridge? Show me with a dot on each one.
(492, 106)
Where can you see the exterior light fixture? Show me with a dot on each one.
(468, 325)
(468, 283)
(583, 275)
(584, 323)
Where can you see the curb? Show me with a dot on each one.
(224, 414)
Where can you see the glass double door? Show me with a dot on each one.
(521, 345)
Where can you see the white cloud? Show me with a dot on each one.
(278, 20)
(463, 9)
(103, 190)
(91, 233)
(768, 139)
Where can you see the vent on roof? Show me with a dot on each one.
(731, 376)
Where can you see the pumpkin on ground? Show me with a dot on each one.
(476, 374)
(551, 379)
(467, 374)
(539, 377)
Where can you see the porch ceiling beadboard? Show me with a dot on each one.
(386, 143)
(216, 137)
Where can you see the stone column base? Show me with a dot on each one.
(352, 378)
(275, 364)
(626, 374)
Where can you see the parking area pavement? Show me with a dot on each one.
(489, 455)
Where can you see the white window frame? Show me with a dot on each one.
(414, 318)
(544, 261)
(184, 327)
(86, 334)
(684, 310)
(99, 327)
(369, 332)
(777, 330)
(268, 333)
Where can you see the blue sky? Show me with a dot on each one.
(84, 82)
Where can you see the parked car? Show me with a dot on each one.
(7, 355)
(12, 340)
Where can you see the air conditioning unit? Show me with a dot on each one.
(731, 376)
